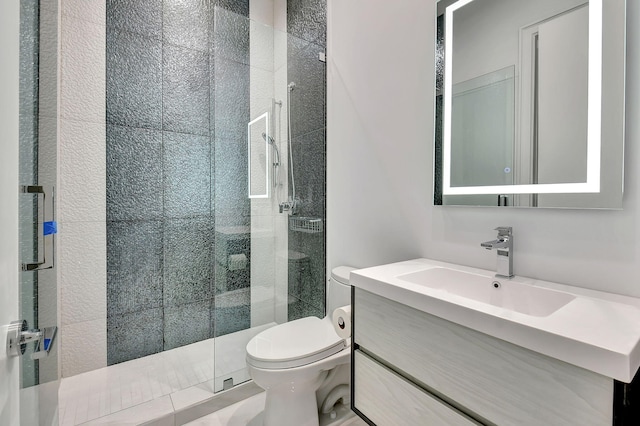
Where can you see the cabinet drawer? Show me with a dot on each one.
(486, 377)
(388, 399)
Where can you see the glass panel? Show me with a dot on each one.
(234, 261)
(38, 139)
(306, 76)
(270, 265)
(29, 46)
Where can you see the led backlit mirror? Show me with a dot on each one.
(530, 103)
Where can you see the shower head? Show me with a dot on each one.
(270, 141)
(291, 86)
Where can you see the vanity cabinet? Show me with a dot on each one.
(390, 399)
(413, 368)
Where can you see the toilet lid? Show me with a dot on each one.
(294, 344)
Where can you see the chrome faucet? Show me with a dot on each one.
(504, 248)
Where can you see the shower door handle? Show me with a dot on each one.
(19, 336)
(47, 228)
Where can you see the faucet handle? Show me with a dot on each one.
(504, 230)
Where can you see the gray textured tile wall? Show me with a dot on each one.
(439, 105)
(134, 266)
(187, 175)
(177, 109)
(142, 17)
(231, 311)
(134, 177)
(185, 90)
(134, 80)
(186, 23)
(306, 27)
(307, 20)
(134, 335)
(240, 7)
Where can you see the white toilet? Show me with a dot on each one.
(292, 361)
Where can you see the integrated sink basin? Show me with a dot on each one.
(503, 293)
(595, 330)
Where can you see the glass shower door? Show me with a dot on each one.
(247, 185)
(37, 226)
(269, 239)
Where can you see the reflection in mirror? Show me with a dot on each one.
(482, 114)
(521, 91)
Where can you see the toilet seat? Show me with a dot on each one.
(294, 344)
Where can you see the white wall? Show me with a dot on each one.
(9, 59)
(380, 185)
(380, 78)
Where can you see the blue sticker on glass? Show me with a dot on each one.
(50, 228)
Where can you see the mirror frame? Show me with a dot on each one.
(601, 122)
(250, 147)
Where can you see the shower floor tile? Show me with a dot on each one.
(155, 385)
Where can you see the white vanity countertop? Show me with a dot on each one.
(597, 331)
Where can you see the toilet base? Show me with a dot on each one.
(290, 394)
(292, 408)
(340, 414)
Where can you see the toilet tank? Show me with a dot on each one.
(338, 290)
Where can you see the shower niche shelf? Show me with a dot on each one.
(309, 225)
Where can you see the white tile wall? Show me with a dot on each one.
(263, 264)
(282, 270)
(262, 48)
(261, 11)
(280, 15)
(82, 275)
(81, 203)
(280, 51)
(84, 346)
(82, 72)
(93, 11)
(82, 171)
(262, 90)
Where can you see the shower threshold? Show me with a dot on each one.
(171, 387)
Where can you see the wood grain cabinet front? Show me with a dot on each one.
(488, 379)
(390, 399)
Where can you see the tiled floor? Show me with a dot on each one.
(154, 386)
(249, 413)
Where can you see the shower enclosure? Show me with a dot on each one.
(198, 139)
(168, 113)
